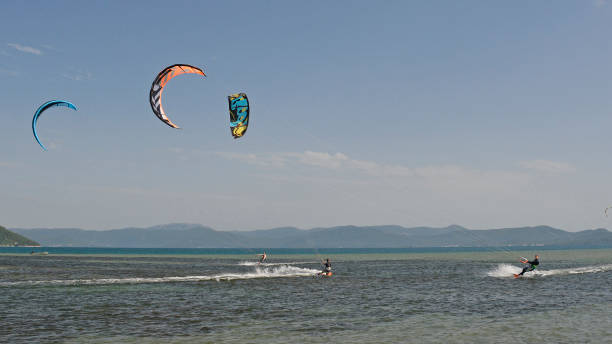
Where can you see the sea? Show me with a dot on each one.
(443, 295)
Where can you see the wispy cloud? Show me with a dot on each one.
(25, 48)
(440, 176)
(49, 47)
(9, 164)
(78, 75)
(175, 150)
(323, 160)
(8, 72)
(547, 166)
(267, 160)
(600, 3)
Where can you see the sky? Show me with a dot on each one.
(485, 114)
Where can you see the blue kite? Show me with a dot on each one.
(43, 108)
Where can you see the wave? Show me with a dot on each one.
(277, 272)
(507, 270)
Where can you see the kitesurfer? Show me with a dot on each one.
(326, 267)
(532, 264)
(263, 257)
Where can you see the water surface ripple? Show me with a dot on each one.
(456, 297)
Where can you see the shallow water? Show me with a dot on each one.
(458, 297)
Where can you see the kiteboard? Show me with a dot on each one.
(524, 261)
(324, 274)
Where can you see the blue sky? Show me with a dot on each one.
(480, 113)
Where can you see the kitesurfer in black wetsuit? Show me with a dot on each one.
(532, 265)
(327, 267)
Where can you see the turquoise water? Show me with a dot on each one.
(77, 295)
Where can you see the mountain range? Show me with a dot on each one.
(181, 235)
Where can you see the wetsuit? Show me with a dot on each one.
(327, 268)
(532, 266)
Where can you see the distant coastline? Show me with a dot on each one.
(385, 236)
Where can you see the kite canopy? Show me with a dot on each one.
(160, 82)
(43, 108)
(239, 114)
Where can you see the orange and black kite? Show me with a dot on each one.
(160, 82)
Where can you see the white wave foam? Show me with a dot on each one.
(281, 271)
(504, 270)
(507, 270)
(251, 263)
(572, 271)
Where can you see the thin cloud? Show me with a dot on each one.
(377, 188)
(267, 160)
(8, 72)
(78, 75)
(49, 47)
(547, 166)
(342, 161)
(8, 164)
(321, 159)
(25, 49)
(339, 162)
(600, 3)
(175, 150)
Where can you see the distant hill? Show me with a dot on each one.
(168, 236)
(198, 236)
(8, 238)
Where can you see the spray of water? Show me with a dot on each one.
(251, 263)
(259, 272)
(507, 270)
